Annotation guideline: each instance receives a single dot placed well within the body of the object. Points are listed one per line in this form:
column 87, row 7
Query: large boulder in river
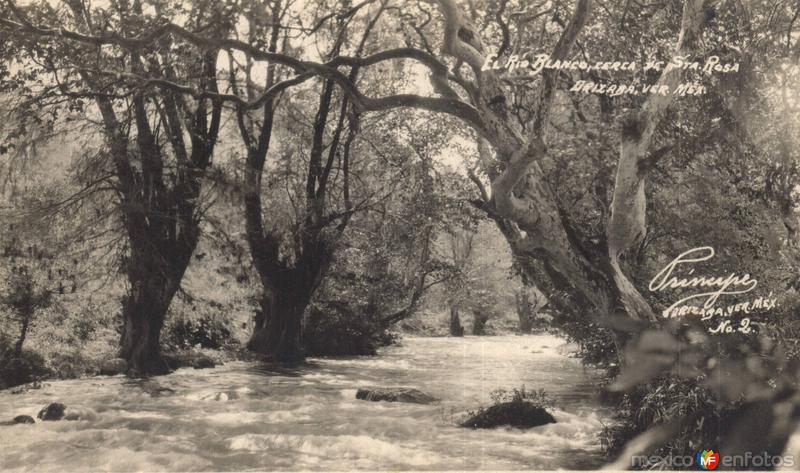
column 395, row 395
column 114, row 367
column 520, row 414
column 52, row 411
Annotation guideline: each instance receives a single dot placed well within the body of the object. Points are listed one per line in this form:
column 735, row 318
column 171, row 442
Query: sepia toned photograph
column 399, row 235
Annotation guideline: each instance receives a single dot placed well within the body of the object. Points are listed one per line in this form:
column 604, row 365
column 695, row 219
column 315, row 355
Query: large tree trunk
column 278, row 330
column 143, row 313
column 456, row 330
column 155, row 269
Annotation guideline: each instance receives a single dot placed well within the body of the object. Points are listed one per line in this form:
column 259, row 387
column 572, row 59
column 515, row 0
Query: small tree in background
column 23, row 296
column 485, row 305
column 529, row 303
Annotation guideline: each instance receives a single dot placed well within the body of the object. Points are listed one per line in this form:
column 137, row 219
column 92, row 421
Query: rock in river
column 19, row 420
column 24, row 420
column 395, row 395
column 58, row 411
column 52, row 411
column 523, row 415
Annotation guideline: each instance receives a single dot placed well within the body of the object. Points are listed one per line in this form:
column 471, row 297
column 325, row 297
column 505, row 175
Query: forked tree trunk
column 286, row 290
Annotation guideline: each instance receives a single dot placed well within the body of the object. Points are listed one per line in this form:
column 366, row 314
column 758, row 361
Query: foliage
column 333, row 330
column 16, row 369
column 480, row 281
column 538, row 398
column 681, row 387
column 201, row 332
column 663, row 400
column 23, row 297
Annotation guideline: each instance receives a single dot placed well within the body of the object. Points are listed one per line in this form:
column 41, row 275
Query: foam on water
column 319, row 449
column 245, row 416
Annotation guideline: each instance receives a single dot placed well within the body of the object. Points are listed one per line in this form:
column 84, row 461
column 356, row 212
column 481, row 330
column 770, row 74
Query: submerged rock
column 79, row 413
column 202, row 362
column 153, row 388
column 522, row 415
column 114, row 367
column 226, row 396
column 188, row 359
column 395, row 395
column 52, row 411
column 19, row 420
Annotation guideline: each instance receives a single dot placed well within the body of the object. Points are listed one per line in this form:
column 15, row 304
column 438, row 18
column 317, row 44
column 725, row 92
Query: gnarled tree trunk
column 540, row 233
column 155, row 267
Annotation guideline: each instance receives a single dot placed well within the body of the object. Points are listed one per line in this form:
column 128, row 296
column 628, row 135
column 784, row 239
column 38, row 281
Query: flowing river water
column 248, row 416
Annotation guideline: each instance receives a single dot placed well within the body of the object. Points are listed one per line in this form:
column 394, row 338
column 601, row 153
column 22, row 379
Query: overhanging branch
column 449, row 104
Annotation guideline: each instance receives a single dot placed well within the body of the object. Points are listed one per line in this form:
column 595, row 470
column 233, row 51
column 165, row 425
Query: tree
column 24, row 297
column 589, row 271
column 461, row 249
column 529, row 303
column 157, row 173
column 292, row 263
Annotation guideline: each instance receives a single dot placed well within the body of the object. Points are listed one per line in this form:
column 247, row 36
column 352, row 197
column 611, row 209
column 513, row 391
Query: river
column 246, row 416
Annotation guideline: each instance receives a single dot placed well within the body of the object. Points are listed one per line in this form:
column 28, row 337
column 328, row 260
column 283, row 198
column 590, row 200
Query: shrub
column 23, row 295
column 28, row 367
column 70, row 364
column 331, row 331
column 205, row 331
column 538, row 398
column 660, row 401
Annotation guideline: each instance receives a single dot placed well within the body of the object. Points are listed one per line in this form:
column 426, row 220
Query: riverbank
column 60, row 357
column 32, row 369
